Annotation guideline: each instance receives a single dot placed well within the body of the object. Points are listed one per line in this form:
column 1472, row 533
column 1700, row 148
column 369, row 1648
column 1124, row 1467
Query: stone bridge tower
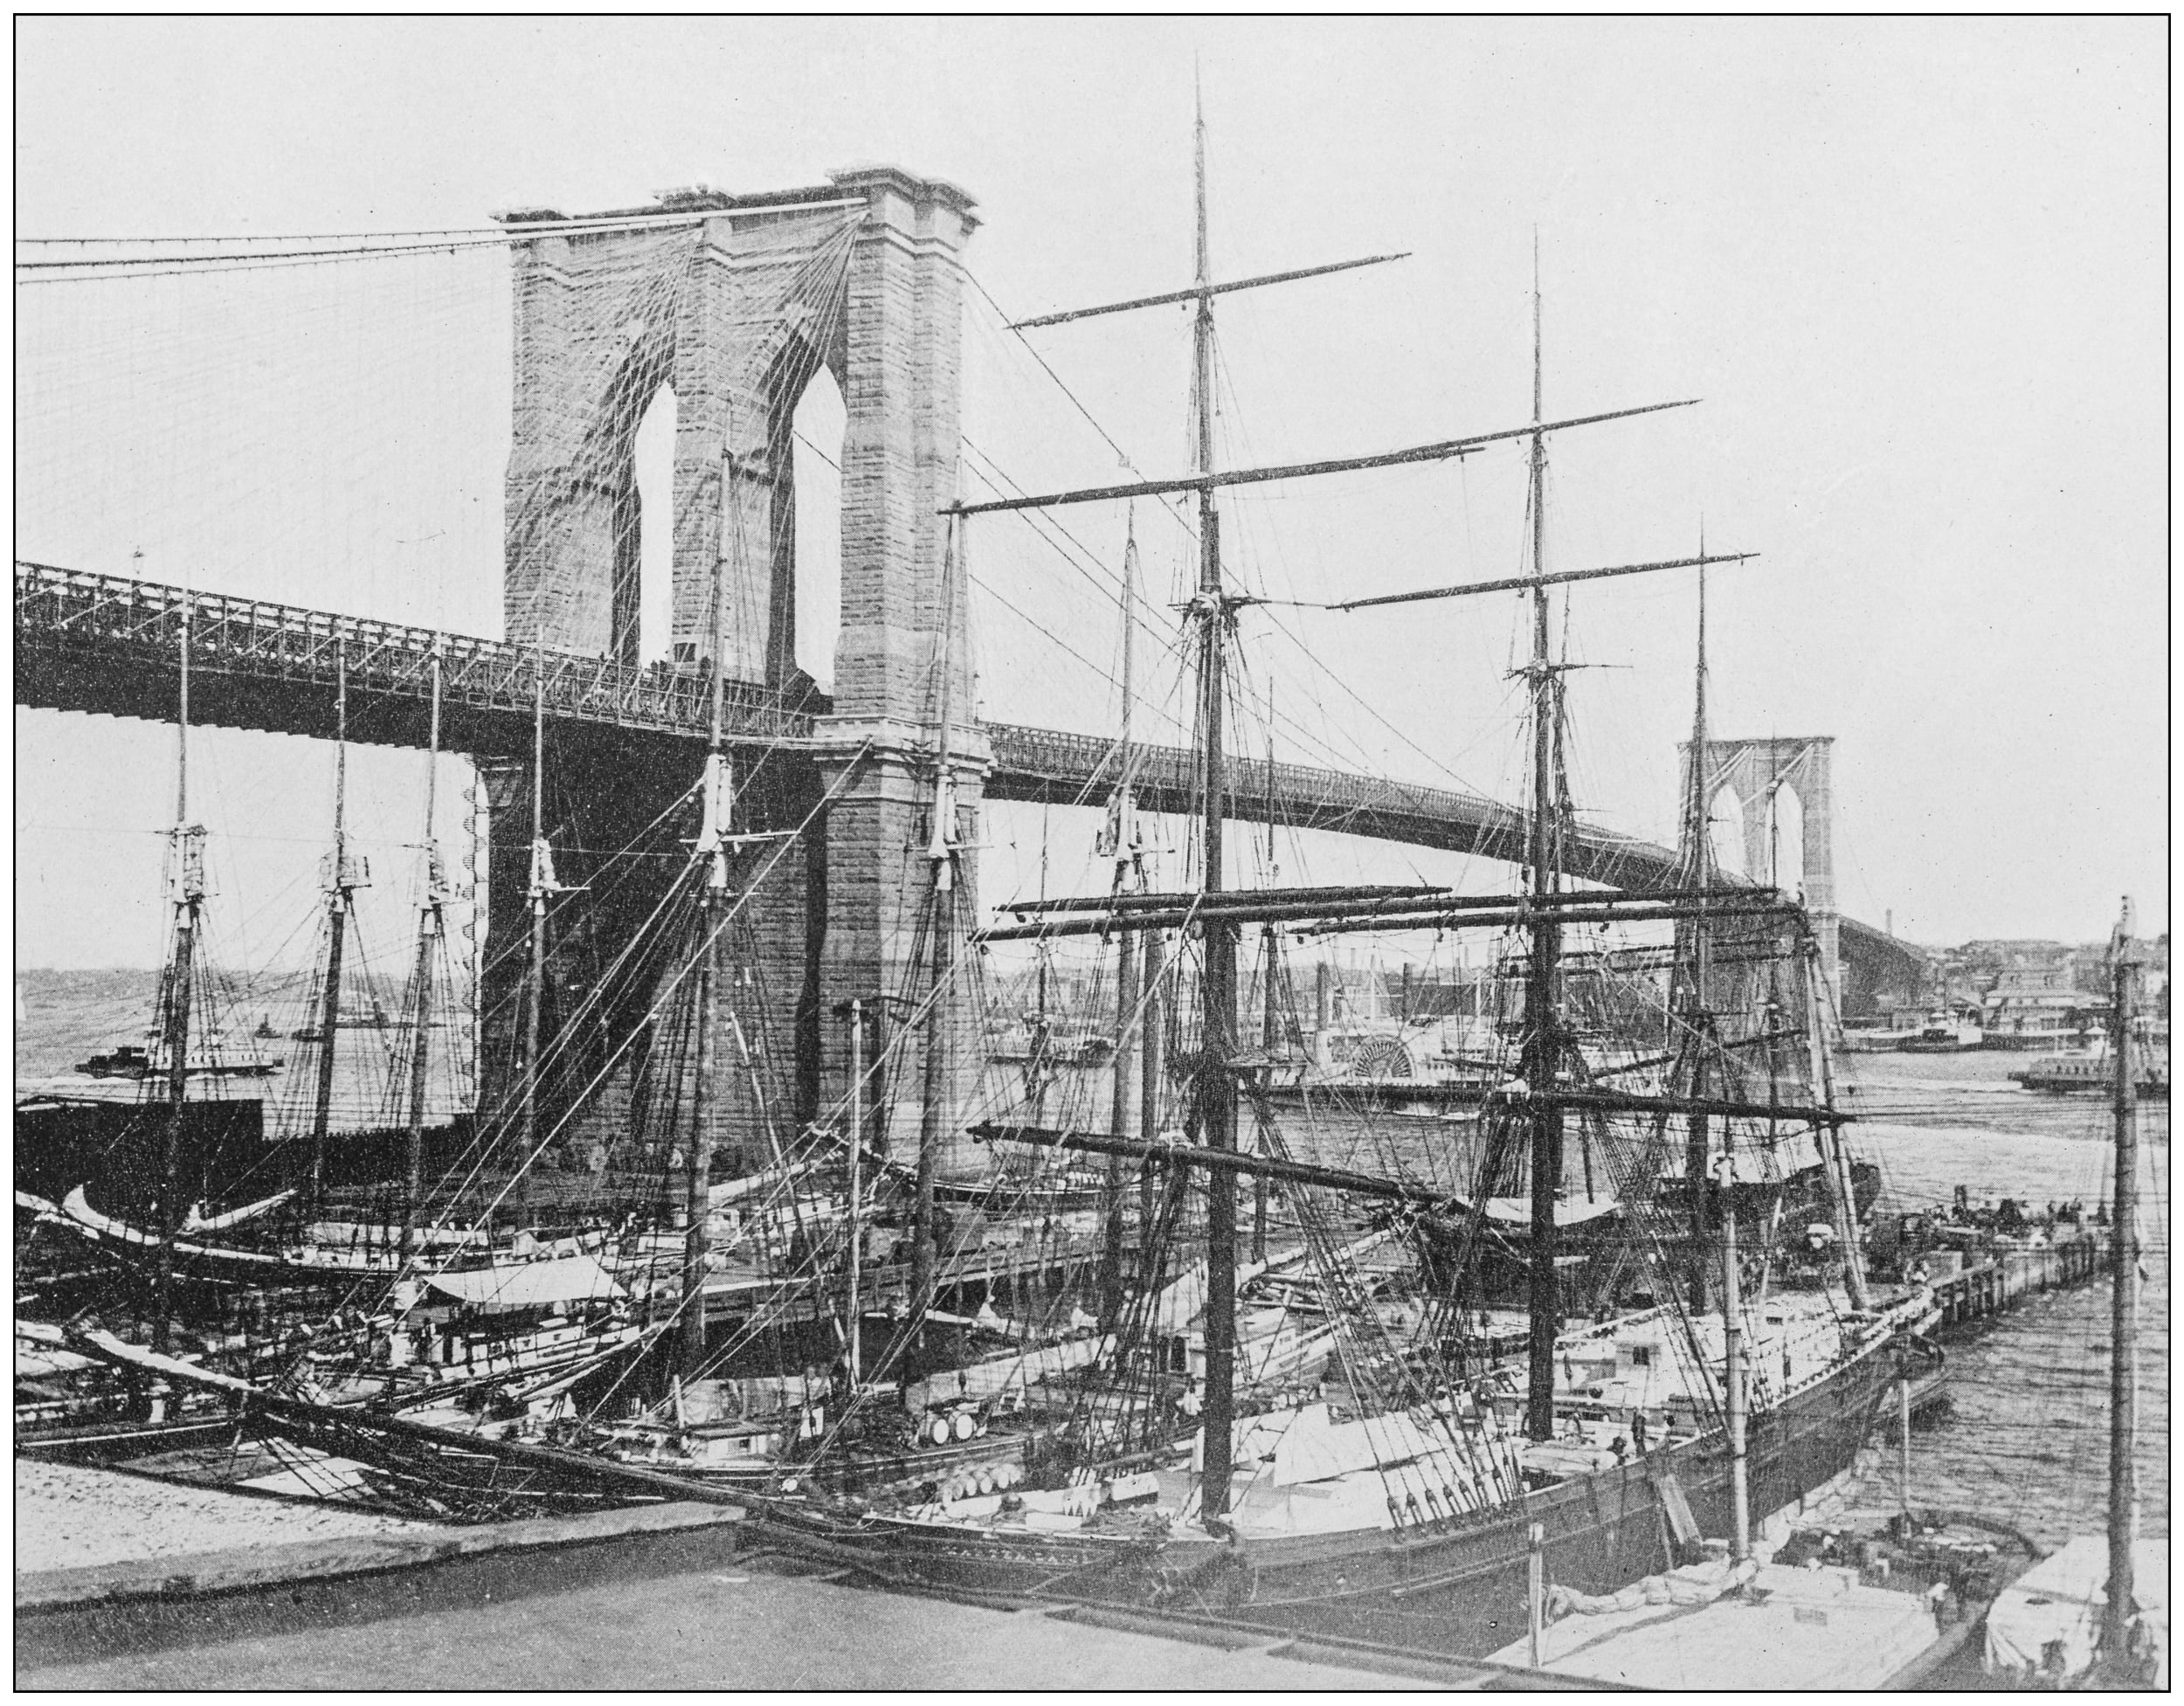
column 1754, row 773
column 735, row 306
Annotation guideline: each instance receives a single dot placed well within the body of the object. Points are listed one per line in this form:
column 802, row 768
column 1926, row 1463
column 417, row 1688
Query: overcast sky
column 1915, row 270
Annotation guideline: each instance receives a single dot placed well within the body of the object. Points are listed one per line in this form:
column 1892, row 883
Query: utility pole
column 2123, row 1423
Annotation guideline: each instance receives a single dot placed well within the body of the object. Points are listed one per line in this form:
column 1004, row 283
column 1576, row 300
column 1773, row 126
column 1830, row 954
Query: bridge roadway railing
column 116, row 621
column 106, row 643
column 1062, row 768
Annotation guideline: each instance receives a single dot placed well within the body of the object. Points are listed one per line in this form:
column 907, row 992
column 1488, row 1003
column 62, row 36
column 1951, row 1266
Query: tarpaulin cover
column 1690, row 1585
column 1517, row 1211
column 528, row 1285
column 2064, row 1598
column 1316, row 1448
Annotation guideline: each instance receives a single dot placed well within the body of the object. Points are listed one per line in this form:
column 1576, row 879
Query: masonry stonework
column 1752, row 772
column 736, row 313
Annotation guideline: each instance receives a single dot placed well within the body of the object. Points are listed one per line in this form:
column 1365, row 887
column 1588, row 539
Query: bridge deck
column 103, row 643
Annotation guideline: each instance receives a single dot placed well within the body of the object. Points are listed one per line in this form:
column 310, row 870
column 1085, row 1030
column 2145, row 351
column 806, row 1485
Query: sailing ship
column 784, row 1244
column 1313, row 1448
column 181, row 1026
column 1406, row 1498
column 422, row 1308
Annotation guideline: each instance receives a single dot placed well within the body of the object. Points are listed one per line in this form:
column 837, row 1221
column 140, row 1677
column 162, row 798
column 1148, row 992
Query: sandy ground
column 740, row 1629
column 66, row 1517
column 746, row 1628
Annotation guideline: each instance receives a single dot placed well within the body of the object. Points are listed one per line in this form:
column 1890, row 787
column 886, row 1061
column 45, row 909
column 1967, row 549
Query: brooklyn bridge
column 110, row 646
column 735, row 303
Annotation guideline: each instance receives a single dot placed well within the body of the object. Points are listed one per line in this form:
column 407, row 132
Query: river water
column 2027, row 1440
column 2026, row 1443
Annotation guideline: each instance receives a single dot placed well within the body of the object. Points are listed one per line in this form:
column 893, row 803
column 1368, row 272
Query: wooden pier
column 2000, row 1282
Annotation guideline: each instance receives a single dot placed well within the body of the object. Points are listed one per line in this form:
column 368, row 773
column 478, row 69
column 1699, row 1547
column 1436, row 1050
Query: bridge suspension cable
column 361, row 246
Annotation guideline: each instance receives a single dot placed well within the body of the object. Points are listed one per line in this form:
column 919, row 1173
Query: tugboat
column 127, row 1062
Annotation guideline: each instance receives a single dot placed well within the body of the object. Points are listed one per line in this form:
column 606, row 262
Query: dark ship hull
column 1459, row 1586
column 2095, row 1077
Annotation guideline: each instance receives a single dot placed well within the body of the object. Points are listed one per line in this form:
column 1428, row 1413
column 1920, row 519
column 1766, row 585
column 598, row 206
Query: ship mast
column 1699, row 863
column 541, row 886
column 2123, row 1423
column 1698, row 859
column 1035, row 1061
column 1214, row 1112
column 715, row 837
column 431, row 928
column 1270, row 1025
column 942, row 854
column 341, row 886
column 1122, row 846
column 1541, row 1059
column 1734, row 1396
column 854, row 1325
column 1216, row 1087
column 188, row 841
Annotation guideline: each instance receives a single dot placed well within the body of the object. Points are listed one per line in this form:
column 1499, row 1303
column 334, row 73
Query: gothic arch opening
column 1725, row 831
column 653, row 458
column 819, row 424
column 1785, row 830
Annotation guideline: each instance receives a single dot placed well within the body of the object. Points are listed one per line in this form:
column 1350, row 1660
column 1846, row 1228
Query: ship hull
column 2102, row 1082
column 1458, row 1587
column 845, row 1472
